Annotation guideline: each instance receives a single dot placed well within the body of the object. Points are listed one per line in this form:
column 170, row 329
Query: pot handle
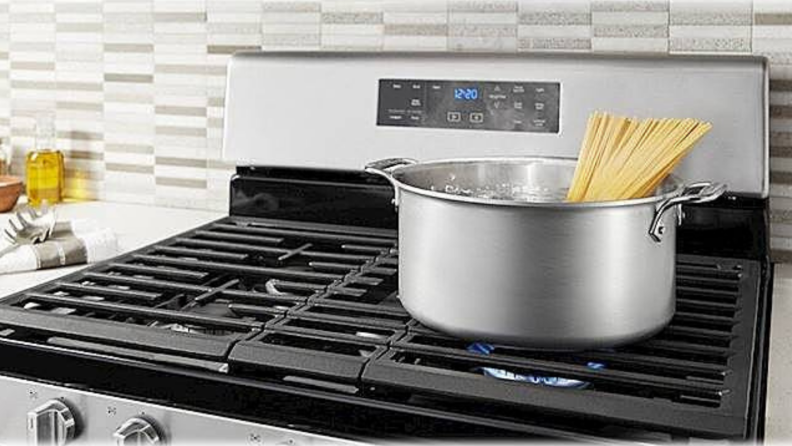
column 385, row 167
column 693, row 193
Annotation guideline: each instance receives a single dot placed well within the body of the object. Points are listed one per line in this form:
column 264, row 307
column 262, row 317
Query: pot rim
column 673, row 182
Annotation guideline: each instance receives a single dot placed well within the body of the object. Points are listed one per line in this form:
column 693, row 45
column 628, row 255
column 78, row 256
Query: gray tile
column 129, row 78
column 292, row 6
column 180, row 162
column 773, row 19
column 554, row 18
column 180, row 110
column 179, row 17
column 84, row 155
column 229, row 49
column 474, row 30
column 33, row 66
column 554, row 43
column 142, row 149
column 129, row 47
column 482, row 6
column 351, row 18
column 629, row 5
column 416, row 29
column 129, row 168
column 79, row 27
column 712, row 18
column 699, row 44
column 169, row 130
column 81, row 106
column 624, row 30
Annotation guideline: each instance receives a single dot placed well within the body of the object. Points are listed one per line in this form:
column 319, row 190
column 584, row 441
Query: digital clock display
column 466, row 94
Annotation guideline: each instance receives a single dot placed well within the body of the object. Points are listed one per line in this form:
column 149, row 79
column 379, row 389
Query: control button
column 539, row 90
column 138, row 431
column 496, row 104
column 436, row 87
column 416, row 86
column 396, row 86
column 539, row 123
column 454, row 117
column 518, row 105
column 415, row 118
column 518, row 89
column 415, row 102
column 51, row 424
column 497, row 88
column 539, row 106
column 395, row 117
column 477, row 118
column 497, row 96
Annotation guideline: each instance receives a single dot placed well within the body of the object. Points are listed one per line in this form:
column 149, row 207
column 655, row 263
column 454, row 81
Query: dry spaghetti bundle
column 623, row 158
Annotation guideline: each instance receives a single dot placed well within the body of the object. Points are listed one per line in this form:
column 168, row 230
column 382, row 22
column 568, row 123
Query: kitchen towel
column 71, row 243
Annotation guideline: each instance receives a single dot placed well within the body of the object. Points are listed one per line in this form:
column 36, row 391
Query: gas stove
column 281, row 322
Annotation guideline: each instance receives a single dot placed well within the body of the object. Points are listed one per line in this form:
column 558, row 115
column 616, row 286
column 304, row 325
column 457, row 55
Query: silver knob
column 138, row 431
column 51, row 424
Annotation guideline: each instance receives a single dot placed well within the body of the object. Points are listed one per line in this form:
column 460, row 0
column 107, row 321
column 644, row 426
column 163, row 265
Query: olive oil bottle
column 44, row 168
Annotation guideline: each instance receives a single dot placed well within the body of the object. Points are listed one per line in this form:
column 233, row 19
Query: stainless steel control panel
column 325, row 110
column 38, row 414
column 468, row 104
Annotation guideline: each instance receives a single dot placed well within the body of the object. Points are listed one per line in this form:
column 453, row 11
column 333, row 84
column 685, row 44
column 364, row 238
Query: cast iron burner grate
column 316, row 305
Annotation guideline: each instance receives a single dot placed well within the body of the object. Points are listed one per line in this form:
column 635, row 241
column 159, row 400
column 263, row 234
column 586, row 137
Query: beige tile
column 181, row 182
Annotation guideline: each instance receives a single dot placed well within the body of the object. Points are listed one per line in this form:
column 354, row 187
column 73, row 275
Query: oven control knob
column 138, row 431
column 51, row 424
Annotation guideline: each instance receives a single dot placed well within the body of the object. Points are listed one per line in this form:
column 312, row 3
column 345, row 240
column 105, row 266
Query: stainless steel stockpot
column 546, row 275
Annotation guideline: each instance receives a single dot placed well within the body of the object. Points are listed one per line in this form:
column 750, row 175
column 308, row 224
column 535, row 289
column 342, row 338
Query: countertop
column 138, row 225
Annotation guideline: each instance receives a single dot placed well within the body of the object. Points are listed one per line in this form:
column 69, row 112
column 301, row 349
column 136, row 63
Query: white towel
column 71, row 243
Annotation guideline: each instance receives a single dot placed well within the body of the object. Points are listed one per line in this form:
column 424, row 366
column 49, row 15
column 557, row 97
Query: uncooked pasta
column 623, row 158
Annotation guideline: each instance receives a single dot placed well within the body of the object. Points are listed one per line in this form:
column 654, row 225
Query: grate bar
column 553, row 368
column 250, row 296
column 693, row 270
column 285, row 351
column 171, row 273
column 145, row 283
column 237, row 269
column 148, row 313
column 253, row 310
column 362, row 248
column 699, row 332
column 102, row 291
column 239, row 237
column 215, row 366
column 713, row 283
column 686, row 347
column 705, row 293
column 200, row 253
column 484, row 391
column 701, row 317
column 357, row 332
column 337, row 256
column 306, row 234
column 136, row 336
column 227, row 246
column 412, row 342
column 691, row 303
column 378, row 316
column 332, row 266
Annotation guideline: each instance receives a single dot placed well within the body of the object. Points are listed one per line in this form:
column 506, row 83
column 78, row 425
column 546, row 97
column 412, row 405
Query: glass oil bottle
column 44, row 169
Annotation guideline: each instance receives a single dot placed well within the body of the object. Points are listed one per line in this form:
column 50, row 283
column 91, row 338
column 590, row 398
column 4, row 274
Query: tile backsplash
column 137, row 85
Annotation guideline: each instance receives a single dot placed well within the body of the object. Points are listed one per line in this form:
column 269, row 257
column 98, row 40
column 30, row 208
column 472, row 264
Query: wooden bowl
column 10, row 190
